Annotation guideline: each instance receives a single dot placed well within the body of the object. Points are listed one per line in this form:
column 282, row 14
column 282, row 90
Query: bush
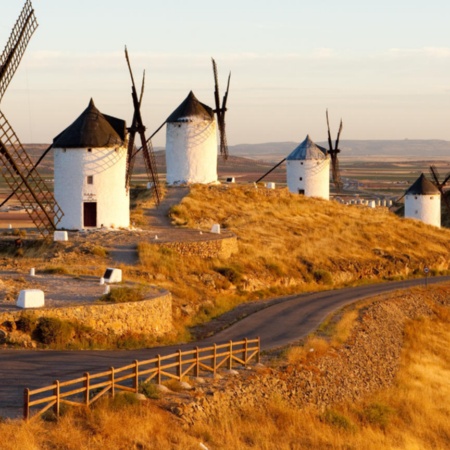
column 323, row 276
column 123, row 295
column 377, row 414
column 26, row 323
column 57, row 270
column 338, row 420
column 149, row 390
column 53, row 331
column 232, row 273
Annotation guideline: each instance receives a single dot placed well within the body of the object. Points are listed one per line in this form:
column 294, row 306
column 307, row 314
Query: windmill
column 137, row 126
column 17, row 167
column 440, row 185
column 333, row 152
column 221, row 110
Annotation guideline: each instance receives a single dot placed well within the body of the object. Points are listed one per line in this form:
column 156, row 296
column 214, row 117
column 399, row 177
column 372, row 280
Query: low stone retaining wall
column 217, row 248
column 149, row 316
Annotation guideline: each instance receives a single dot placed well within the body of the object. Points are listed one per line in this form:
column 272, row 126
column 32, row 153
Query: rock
column 162, row 389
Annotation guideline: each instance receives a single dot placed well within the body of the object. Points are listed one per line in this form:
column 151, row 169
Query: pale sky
column 383, row 66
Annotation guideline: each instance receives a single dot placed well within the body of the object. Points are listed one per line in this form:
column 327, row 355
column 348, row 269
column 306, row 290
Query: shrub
column 123, row 294
column 149, row 390
column 56, row 270
column 337, row 420
column 377, row 414
column 98, row 250
column 323, row 276
column 26, row 323
column 53, row 331
column 232, row 273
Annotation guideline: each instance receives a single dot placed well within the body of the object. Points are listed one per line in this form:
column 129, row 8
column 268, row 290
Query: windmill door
column 90, row 214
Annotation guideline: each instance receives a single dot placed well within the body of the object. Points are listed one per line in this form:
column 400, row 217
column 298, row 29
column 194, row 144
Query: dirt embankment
column 368, row 361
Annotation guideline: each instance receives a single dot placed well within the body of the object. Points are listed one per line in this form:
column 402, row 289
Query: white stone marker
column 113, row 275
column 215, row 228
column 31, row 298
column 32, row 272
column 60, row 236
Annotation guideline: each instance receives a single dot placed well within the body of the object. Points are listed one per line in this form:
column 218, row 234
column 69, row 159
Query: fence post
column 56, row 406
column 26, row 404
column 136, row 376
column 197, row 363
column 158, row 365
column 245, row 351
column 258, row 354
column 87, row 386
column 214, row 359
column 113, row 390
column 180, row 365
column 230, row 360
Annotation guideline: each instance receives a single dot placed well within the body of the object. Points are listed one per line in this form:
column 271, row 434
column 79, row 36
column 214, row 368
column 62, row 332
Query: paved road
column 285, row 320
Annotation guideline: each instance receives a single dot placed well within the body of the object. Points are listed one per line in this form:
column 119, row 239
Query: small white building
column 423, row 202
column 191, row 143
column 90, row 163
column 308, row 170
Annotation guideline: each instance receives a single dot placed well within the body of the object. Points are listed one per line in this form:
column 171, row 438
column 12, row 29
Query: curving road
column 283, row 321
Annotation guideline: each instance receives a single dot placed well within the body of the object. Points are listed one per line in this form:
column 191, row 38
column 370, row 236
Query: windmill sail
column 17, row 168
column 137, row 127
column 220, row 111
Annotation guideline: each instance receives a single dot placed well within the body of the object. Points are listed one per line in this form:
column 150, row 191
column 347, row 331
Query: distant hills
column 351, row 148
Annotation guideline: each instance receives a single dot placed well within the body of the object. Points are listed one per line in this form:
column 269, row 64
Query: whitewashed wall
column 310, row 175
column 191, row 152
column 426, row 208
column 108, row 167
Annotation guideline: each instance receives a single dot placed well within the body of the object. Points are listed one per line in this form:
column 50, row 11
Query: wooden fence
column 89, row 388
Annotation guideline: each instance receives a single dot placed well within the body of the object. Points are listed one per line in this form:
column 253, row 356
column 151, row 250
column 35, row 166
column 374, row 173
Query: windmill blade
column 336, row 172
column 29, row 173
column 330, row 144
column 138, row 127
column 435, row 174
column 10, row 59
column 446, row 179
column 223, row 138
column 216, row 89
column 336, row 146
column 225, row 97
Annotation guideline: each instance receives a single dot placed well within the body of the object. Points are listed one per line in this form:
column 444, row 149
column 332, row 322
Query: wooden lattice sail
column 17, row 167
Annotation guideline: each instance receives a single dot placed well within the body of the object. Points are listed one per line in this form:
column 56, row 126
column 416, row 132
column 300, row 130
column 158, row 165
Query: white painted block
column 270, row 185
column 60, row 236
column 230, row 180
column 30, row 298
column 113, row 275
column 32, row 272
column 215, row 228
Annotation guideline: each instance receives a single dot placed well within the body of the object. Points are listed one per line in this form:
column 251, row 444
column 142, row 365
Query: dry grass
column 289, row 243
column 413, row 414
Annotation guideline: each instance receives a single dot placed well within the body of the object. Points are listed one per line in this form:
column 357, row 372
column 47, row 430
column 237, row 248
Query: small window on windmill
column 90, row 179
column 416, row 212
column 301, row 178
column 89, row 150
column 301, row 164
column 301, row 191
column 431, row 198
column 415, row 198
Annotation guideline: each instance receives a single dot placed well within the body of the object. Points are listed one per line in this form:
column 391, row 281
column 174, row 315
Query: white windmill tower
column 191, row 139
column 90, row 166
column 423, row 202
column 308, row 167
column 308, row 170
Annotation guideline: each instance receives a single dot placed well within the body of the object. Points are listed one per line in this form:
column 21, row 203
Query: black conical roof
column 422, row 186
column 191, row 108
column 92, row 129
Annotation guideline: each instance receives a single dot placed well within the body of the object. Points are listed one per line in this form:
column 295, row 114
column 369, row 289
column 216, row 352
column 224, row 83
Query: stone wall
column 214, row 248
column 150, row 316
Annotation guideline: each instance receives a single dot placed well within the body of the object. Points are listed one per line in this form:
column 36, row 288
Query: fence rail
column 85, row 390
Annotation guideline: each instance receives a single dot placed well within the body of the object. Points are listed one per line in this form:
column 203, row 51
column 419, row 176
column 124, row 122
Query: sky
column 382, row 66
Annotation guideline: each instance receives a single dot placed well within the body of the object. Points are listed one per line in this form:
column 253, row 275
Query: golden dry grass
column 289, row 243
